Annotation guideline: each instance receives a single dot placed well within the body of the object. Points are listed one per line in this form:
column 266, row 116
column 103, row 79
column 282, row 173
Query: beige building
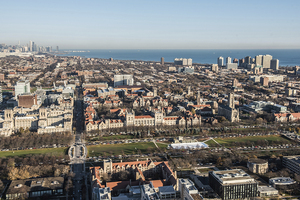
column 229, row 111
column 258, row 166
column 156, row 119
column 54, row 118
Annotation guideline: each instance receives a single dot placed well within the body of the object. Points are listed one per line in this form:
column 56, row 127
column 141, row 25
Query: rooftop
column 234, row 176
column 37, row 184
column 293, row 158
column 257, row 161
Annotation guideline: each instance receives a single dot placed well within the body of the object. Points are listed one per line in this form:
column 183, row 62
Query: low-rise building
column 258, row 166
column 267, row 191
column 292, row 163
column 33, row 188
column 278, row 182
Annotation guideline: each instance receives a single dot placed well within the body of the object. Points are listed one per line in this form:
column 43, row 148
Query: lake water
column 287, row 57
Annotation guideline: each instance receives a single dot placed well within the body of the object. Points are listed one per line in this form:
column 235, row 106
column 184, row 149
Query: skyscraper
column 228, row 60
column 275, row 64
column 57, row 48
column 30, row 46
column 162, row 61
column 220, row 61
column 266, row 61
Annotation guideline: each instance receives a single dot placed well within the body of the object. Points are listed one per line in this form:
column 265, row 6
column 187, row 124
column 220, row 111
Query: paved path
column 78, row 153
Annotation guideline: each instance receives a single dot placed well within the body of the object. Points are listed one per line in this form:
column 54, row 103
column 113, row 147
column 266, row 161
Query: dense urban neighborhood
column 73, row 127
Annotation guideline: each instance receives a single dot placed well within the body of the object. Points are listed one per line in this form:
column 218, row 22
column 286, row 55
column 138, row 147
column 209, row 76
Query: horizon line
column 186, row 49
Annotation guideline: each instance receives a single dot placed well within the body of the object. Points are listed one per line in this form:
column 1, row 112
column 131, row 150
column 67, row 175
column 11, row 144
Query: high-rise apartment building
column 248, row 59
column 266, row 61
column 228, row 60
column 241, row 62
column 22, row 87
column 183, row 61
column 220, row 61
column 258, row 59
column 123, row 79
column 275, row 64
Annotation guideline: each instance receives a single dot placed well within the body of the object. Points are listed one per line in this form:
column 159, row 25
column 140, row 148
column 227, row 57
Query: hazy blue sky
column 152, row 24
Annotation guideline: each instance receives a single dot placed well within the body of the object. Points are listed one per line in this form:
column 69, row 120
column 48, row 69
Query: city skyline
column 153, row 25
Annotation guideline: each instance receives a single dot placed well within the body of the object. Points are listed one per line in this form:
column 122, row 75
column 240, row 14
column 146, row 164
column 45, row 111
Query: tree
column 193, row 111
column 259, row 120
column 12, row 173
column 219, row 162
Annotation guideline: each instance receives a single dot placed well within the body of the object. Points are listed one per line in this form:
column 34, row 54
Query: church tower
column 8, row 114
column 129, row 118
column 198, row 98
column 231, row 100
column 154, row 92
column 42, row 117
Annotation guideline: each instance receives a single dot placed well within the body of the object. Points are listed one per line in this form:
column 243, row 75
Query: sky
column 152, row 24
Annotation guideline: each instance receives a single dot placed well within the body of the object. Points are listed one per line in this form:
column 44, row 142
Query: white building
column 266, row 61
column 231, row 66
column 275, row 64
column 188, row 190
column 220, row 61
column 228, row 60
column 272, row 78
column 22, row 87
column 123, row 79
column 258, row 60
column 183, row 61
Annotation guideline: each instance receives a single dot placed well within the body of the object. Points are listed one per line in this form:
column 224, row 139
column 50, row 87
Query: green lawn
column 116, row 149
column 230, row 142
column 21, row 153
column 212, row 143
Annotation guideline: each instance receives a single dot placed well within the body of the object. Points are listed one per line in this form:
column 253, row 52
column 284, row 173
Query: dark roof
column 36, row 184
column 257, row 161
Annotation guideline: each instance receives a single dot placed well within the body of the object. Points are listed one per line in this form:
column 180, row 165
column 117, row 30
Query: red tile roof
column 143, row 116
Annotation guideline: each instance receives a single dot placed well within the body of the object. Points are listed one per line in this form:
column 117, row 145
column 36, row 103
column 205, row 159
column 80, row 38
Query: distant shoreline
column 287, row 57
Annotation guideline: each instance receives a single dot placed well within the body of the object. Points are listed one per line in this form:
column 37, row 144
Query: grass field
column 21, row 153
column 211, row 143
column 230, row 142
column 116, row 149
